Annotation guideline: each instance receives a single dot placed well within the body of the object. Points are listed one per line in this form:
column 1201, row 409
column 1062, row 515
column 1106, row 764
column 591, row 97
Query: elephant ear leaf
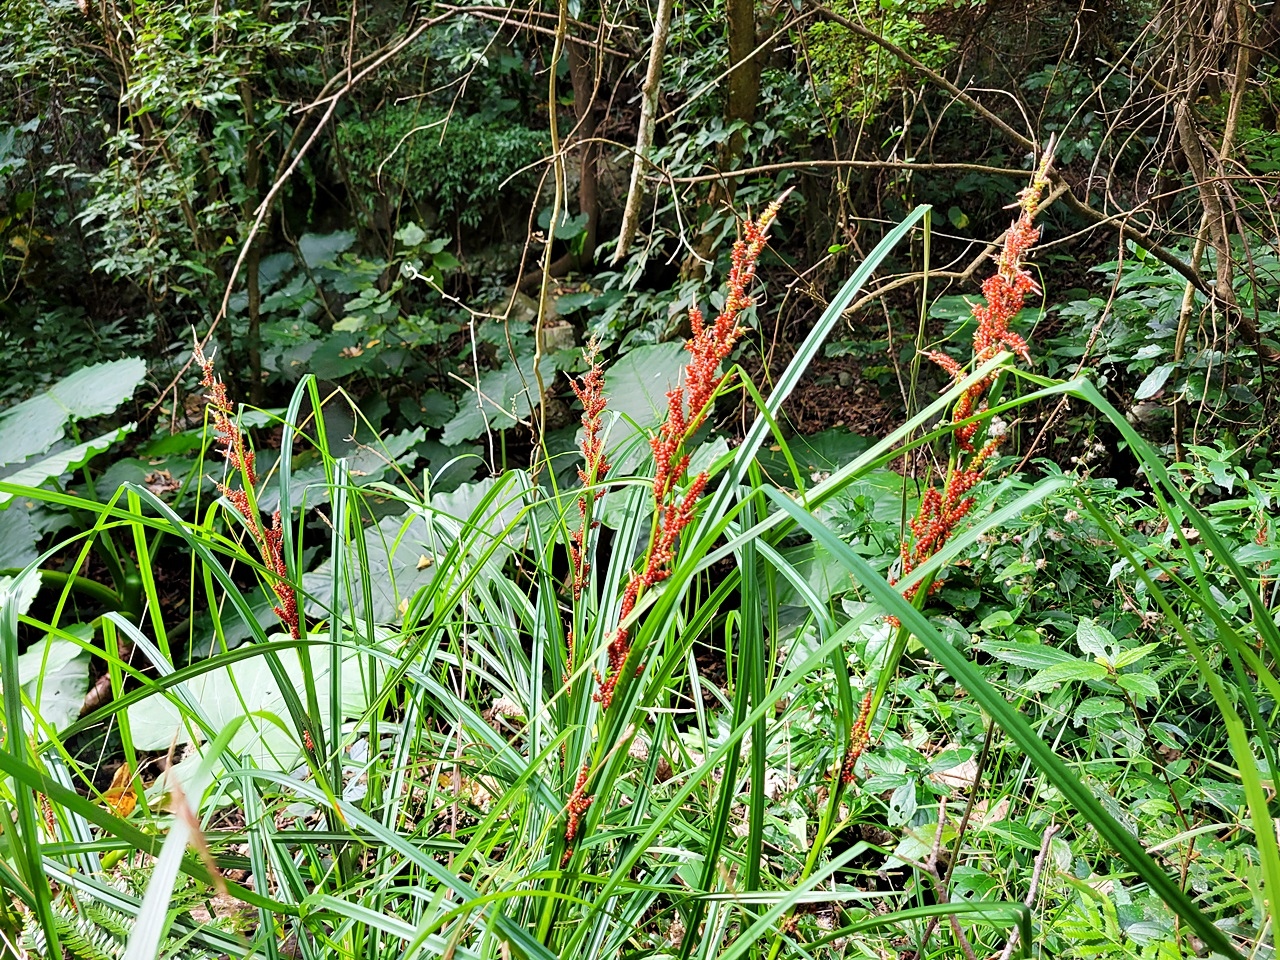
column 36, row 424
column 41, row 471
column 503, row 398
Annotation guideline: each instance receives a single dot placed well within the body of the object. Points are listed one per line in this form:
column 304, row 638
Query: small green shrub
column 452, row 168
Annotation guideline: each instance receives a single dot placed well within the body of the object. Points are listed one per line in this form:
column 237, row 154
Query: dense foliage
column 691, row 479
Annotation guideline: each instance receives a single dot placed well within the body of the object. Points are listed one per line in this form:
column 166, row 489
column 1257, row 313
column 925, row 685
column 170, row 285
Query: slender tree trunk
column 582, row 73
column 644, row 137
column 252, row 260
column 743, row 93
column 744, row 76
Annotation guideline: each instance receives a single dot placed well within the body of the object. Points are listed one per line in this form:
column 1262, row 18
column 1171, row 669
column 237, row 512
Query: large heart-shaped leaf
column 502, row 398
column 36, row 424
column 49, row 468
column 399, row 562
column 636, row 387
column 54, row 674
column 247, row 688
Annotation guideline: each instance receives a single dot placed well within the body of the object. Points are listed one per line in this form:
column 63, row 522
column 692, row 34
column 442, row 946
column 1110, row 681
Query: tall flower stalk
column 590, row 391
column 236, row 451
column 942, row 509
column 688, row 405
column 1005, row 292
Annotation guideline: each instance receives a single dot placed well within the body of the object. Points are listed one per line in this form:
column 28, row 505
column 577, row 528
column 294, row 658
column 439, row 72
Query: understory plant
column 520, row 719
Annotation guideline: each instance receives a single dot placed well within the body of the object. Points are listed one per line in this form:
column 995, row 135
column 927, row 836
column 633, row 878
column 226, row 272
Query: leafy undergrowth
column 704, row 701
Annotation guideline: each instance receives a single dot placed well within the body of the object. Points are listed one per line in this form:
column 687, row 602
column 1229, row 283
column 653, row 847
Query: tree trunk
column 582, row 73
column 744, row 76
column 644, row 136
column 740, row 106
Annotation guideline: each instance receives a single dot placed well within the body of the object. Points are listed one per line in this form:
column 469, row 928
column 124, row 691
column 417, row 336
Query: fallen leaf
column 960, row 776
column 161, row 482
column 120, row 797
column 98, row 694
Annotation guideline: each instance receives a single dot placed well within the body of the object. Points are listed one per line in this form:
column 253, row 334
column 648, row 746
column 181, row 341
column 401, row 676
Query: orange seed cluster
column 687, row 408
column 1005, row 292
column 591, row 395
column 579, row 803
column 235, row 449
column 859, row 738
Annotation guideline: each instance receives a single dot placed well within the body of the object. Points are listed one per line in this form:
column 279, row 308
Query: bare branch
column 1036, row 871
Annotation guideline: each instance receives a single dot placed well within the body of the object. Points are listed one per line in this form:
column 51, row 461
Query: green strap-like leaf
column 1016, row 726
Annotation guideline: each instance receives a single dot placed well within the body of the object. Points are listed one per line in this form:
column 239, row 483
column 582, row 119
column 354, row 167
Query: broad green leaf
column 483, row 510
column 431, row 409
column 352, row 324
column 403, row 551
column 411, row 235
column 1142, row 685
column 994, row 621
column 55, row 676
column 902, row 804
column 97, row 390
column 637, row 384
column 1222, row 474
column 42, row 471
column 18, row 538
column 636, row 387
column 1153, row 382
column 1037, row 656
column 20, row 591
column 320, row 249
column 1076, row 670
column 36, row 424
column 1096, row 641
column 505, row 397
column 1096, row 707
column 247, row 688
column 1133, row 655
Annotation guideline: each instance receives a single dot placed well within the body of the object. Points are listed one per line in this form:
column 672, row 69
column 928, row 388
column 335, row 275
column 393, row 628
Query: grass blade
column 1015, row 726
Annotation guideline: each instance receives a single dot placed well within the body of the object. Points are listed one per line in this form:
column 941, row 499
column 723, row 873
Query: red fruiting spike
column 618, row 651
column 688, row 406
column 858, row 739
column 235, row 449
column 947, row 363
column 590, row 392
column 578, row 804
column 1005, row 292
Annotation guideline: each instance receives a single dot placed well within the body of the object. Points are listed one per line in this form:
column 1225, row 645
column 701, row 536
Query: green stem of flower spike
column 832, row 811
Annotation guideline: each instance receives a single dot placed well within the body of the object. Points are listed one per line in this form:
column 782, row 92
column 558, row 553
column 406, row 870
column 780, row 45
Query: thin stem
column 90, row 588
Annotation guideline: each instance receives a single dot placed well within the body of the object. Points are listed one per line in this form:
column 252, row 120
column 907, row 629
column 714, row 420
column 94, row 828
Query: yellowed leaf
column 120, row 796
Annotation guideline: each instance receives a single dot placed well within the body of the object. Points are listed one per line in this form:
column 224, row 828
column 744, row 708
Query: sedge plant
column 483, row 726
